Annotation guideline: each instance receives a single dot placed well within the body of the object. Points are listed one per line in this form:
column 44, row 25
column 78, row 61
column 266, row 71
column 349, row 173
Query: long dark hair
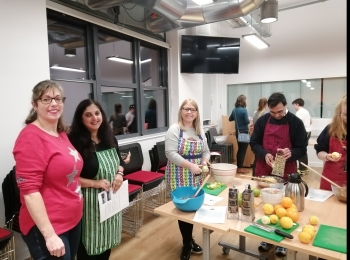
column 80, row 136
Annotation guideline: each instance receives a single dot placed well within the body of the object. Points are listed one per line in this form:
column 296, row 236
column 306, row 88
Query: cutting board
column 270, row 235
column 213, row 192
column 332, row 238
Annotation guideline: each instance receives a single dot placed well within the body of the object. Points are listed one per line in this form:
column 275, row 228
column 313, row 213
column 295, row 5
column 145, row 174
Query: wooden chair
column 132, row 216
column 153, row 183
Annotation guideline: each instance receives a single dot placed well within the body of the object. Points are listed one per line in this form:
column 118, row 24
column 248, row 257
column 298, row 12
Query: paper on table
column 318, row 195
column 210, row 199
column 211, row 214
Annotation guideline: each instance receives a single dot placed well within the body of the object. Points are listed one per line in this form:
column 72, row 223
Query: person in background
column 118, row 120
column 332, row 139
column 277, row 131
column 151, row 114
column 92, row 136
column 186, row 148
column 260, row 111
column 240, row 115
column 47, row 171
column 304, row 115
column 131, row 120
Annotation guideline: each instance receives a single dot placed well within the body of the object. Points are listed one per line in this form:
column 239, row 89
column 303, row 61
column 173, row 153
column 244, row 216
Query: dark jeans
column 304, row 159
column 186, row 232
column 37, row 245
column 83, row 255
column 242, row 149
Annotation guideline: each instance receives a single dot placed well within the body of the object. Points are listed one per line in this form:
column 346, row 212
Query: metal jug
column 297, row 190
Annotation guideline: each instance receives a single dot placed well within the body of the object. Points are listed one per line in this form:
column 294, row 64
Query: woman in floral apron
column 186, row 148
column 334, row 139
column 92, row 136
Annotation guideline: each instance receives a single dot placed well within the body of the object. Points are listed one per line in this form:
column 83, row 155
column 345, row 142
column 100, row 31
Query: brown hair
column 337, row 127
column 196, row 122
column 241, row 101
column 37, row 92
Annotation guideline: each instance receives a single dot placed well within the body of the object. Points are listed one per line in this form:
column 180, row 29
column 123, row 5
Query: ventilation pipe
column 179, row 14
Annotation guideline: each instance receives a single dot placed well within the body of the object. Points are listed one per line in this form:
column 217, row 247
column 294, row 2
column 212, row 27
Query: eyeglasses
column 187, row 109
column 48, row 100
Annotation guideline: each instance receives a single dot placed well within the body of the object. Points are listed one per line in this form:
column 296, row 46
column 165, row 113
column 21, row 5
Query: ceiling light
column 148, row 60
column 202, row 2
column 115, row 58
column 256, row 40
column 303, row 80
column 57, row 67
column 312, row 88
column 269, row 11
column 70, row 52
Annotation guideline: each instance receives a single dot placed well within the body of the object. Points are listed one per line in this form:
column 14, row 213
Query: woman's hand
column 117, row 182
column 55, row 245
column 103, row 184
column 195, row 169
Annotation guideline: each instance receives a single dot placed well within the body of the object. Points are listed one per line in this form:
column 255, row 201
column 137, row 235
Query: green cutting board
column 270, row 235
column 213, row 192
column 332, row 238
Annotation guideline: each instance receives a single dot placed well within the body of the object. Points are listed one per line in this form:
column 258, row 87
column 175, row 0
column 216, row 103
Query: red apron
column 275, row 136
column 334, row 170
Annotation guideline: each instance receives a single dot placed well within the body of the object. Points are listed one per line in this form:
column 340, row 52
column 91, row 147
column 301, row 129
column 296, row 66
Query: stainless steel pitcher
column 297, row 190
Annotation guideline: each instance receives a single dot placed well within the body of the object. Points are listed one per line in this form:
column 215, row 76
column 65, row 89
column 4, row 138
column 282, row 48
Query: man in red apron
column 279, row 131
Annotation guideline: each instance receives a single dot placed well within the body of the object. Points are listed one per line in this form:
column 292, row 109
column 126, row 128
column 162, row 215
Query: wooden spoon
column 204, row 182
column 322, row 176
column 255, row 178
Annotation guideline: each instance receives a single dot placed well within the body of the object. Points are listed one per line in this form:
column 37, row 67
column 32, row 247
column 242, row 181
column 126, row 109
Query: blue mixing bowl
column 182, row 198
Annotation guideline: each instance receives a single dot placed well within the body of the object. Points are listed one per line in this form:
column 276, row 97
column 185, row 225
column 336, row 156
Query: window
column 111, row 68
column 320, row 95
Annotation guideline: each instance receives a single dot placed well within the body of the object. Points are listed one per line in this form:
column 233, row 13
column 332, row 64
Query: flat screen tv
column 206, row 54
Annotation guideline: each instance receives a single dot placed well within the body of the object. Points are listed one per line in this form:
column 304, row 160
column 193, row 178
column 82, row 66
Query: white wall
column 306, row 42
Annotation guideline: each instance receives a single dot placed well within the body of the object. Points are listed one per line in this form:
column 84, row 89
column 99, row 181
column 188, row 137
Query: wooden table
column 331, row 212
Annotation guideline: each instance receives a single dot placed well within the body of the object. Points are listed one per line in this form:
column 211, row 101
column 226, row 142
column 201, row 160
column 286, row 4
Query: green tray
column 332, row 238
column 270, row 235
column 213, row 192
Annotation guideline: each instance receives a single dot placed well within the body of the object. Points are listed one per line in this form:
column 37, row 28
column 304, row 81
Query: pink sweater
column 49, row 165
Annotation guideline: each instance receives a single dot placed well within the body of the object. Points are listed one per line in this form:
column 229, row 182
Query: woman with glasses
column 103, row 169
column 186, row 149
column 331, row 147
column 47, row 172
column 240, row 116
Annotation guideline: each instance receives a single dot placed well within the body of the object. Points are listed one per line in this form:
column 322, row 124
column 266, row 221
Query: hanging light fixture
column 269, row 11
column 256, row 40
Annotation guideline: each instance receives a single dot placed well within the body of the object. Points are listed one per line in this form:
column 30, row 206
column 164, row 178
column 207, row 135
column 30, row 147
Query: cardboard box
column 229, row 127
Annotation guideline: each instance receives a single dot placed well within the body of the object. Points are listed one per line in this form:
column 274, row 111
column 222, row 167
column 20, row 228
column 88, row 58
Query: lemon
column 268, row 208
column 335, row 155
column 304, row 237
column 286, row 222
column 273, row 219
column 310, row 226
column 277, row 206
column 313, row 220
column 310, row 231
column 281, row 212
column 265, row 220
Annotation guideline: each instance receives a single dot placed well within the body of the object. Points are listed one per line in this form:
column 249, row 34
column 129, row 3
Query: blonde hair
column 196, row 123
column 261, row 105
column 38, row 91
column 338, row 128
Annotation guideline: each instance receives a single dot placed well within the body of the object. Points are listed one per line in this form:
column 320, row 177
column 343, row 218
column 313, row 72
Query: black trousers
column 186, row 232
column 242, row 149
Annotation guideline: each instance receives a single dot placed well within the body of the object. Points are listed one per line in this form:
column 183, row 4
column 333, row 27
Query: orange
column 304, row 237
column 277, row 206
column 286, row 202
column 293, row 214
column 268, row 209
column 293, row 207
column 281, row 212
column 286, row 222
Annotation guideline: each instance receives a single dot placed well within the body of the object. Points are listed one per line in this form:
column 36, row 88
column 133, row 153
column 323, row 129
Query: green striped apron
column 98, row 237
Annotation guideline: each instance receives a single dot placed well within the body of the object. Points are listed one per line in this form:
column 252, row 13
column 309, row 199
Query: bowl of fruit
column 271, row 182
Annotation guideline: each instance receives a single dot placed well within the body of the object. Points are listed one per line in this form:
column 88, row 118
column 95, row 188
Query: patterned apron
column 177, row 176
column 98, row 237
column 334, row 171
column 275, row 136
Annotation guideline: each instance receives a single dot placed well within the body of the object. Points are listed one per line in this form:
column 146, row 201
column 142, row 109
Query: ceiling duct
column 179, row 14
